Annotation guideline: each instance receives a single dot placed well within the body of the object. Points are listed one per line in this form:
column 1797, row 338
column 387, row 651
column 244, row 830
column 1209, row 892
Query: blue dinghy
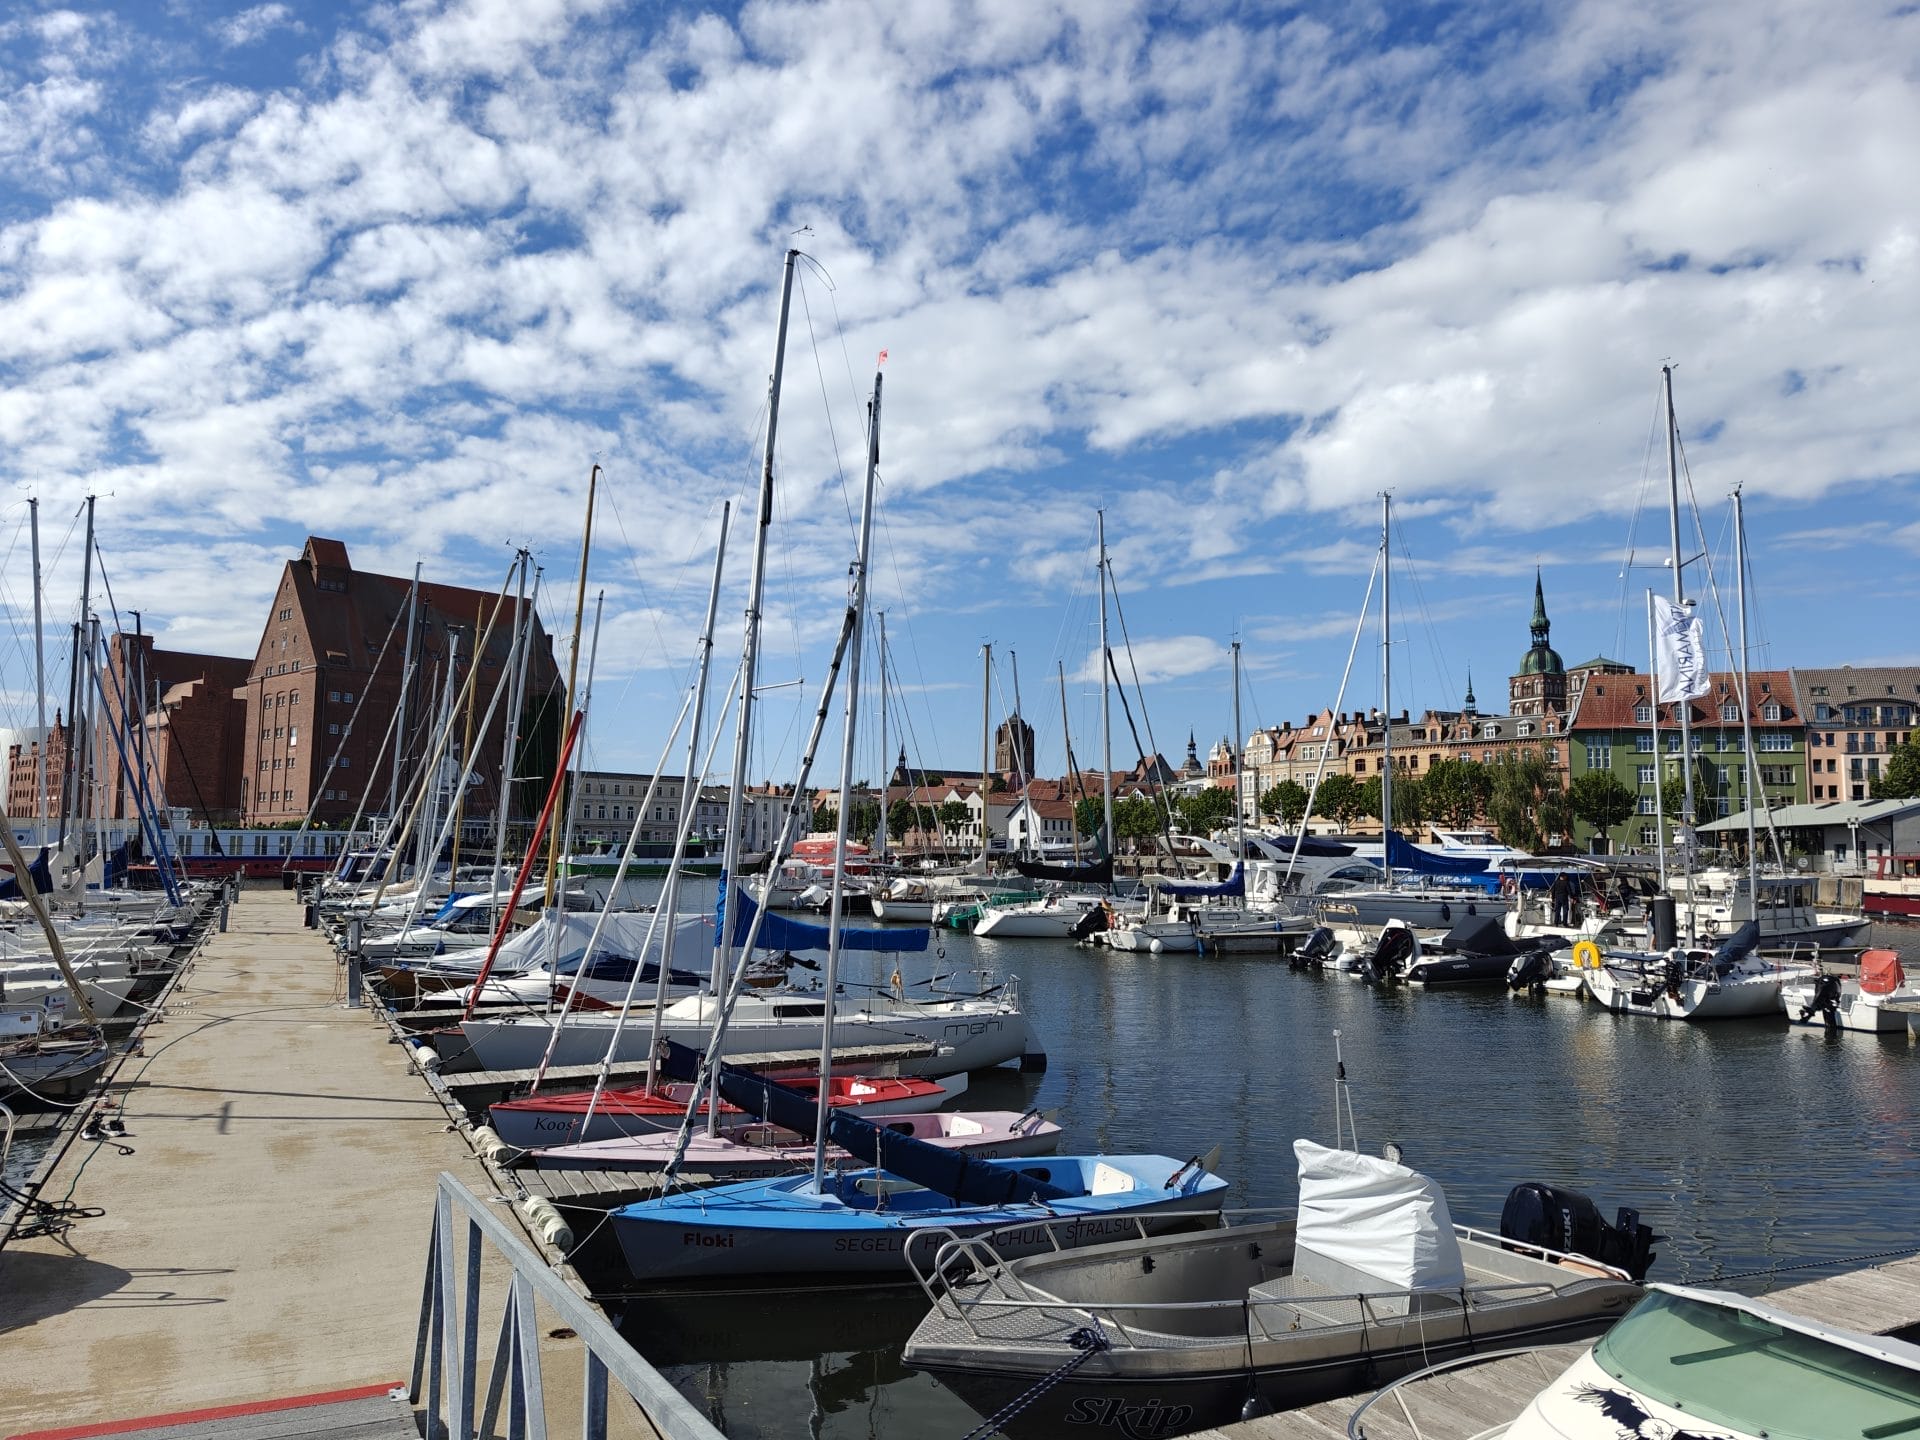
column 857, row 1223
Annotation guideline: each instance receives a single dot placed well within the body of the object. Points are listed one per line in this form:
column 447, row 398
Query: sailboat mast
column 1071, row 779
column 1386, row 678
column 1018, row 755
column 1239, row 799
column 986, row 740
column 71, row 801
column 1106, row 704
column 573, row 662
column 406, row 684
column 1679, row 598
column 1754, row 797
column 39, row 680
column 516, row 700
column 886, row 760
column 750, row 643
column 1659, row 786
column 856, row 605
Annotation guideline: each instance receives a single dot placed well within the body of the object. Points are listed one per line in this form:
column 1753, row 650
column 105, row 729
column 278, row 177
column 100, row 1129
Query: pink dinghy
column 751, row 1151
column 538, row 1121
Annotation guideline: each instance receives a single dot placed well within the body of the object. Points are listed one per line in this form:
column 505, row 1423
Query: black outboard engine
column 1091, row 923
column 1395, row 949
column 1315, row 950
column 1530, row 970
column 1566, row 1220
column 1825, row 1002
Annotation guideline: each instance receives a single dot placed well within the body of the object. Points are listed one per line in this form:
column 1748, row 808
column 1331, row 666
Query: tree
column 954, row 815
column 1529, row 807
column 1285, row 803
column 1900, row 776
column 900, row 818
column 1456, row 792
column 826, row 818
column 1601, row 800
column 1206, row 810
column 865, row 821
column 1340, row 799
column 1136, row 818
column 1089, row 817
column 1409, row 807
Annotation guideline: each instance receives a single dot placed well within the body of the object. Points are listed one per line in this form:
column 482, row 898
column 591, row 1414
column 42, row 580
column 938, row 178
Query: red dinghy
column 539, row 1121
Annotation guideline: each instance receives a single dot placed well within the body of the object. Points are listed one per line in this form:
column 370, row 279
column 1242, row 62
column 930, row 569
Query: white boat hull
column 1853, row 1009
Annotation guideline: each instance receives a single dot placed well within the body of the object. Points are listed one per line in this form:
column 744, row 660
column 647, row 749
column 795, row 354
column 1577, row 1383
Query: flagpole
column 1659, row 787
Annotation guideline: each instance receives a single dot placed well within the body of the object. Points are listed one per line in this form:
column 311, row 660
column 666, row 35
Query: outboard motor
column 1316, row 949
column 1565, row 1220
column 1091, row 923
column 1825, row 1002
column 1395, row 950
column 1529, row 970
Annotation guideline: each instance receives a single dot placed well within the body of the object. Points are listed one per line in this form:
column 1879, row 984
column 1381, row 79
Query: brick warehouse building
column 316, row 663
column 23, row 803
column 194, row 728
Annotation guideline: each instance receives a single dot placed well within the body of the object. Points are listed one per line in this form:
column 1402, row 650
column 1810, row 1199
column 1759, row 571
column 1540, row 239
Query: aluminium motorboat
column 1369, row 1279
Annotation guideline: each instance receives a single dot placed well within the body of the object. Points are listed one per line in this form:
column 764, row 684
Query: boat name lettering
column 1144, row 1421
column 712, row 1242
column 865, row 1244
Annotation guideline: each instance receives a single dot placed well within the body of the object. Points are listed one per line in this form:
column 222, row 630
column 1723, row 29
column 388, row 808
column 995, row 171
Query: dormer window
column 1730, row 712
column 1770, row 712
column 1643, row 714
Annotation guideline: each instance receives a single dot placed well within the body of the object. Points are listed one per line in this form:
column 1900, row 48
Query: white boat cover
column 624, row 933
column 1376, row 1217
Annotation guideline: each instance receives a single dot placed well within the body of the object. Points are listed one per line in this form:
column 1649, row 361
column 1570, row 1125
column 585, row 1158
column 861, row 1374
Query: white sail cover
column 1376, row 1217
column 623, row 934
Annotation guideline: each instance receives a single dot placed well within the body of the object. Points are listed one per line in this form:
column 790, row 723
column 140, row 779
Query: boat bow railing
column 446, row 1354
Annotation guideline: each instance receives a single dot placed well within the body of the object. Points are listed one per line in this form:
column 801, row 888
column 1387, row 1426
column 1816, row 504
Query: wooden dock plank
column 1877, row 1299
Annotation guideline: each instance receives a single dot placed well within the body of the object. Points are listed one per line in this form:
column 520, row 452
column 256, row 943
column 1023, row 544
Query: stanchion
column 224, row 907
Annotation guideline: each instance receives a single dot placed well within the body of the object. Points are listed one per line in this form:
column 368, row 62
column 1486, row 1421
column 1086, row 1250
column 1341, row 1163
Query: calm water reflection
column 1751, row 1147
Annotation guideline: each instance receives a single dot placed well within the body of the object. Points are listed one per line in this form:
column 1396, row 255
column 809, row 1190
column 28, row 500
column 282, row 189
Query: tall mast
column 1679, row 598
column 406, row 684
column 69, row 780
column 1754, row 797
column 1239, row 799
column 517, row 654
column 1106, row 705
column 856, row 605
column 1659, row 783
column 1386, row 677
column 1066, row 735
column 750, row 641
column 986, row 740
column 39, row 681
column 1014, row 732
column 886, row 770
column 573, row 664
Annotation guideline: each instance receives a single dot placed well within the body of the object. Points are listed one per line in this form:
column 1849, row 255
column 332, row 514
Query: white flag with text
column 1679, row 652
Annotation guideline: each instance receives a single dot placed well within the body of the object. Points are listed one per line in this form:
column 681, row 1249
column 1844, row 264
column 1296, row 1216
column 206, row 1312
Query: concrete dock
column 266, row 1236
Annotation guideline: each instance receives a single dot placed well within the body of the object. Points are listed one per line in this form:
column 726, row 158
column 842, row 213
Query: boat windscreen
column 1732, row 1368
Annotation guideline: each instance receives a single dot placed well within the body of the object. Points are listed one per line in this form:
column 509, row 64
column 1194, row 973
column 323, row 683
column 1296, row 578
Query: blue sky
column 402, row 273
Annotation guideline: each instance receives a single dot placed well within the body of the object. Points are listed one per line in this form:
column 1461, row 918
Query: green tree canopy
column 1136, row 818
column 900, row 819
column 826, row 818
column 1456, row 791
column 1900, row 776
column 1340, row 799
column 1206, row 810
column 1285, row 803
column 1529, row 807
column 1089, row 817
column 1600, row 799
column 1409, row 805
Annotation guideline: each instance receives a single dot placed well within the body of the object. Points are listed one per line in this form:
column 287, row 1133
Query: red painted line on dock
column 217, row 1412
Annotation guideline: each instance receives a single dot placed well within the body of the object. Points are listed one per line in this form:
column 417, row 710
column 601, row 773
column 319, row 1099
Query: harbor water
column 1754, row 1149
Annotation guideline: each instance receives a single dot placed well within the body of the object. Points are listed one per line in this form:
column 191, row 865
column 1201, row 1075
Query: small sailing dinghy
column 757, row 1150
column 536, row 1121
column 1370, row 1279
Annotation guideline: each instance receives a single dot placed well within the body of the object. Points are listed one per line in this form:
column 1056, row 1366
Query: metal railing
column 446, row 1352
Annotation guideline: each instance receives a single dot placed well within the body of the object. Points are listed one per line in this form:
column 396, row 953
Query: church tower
column 1539, row 687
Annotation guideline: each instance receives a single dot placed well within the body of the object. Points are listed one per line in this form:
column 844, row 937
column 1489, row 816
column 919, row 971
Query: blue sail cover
column 955, row 1174
column 777, row 932
column 1466, row 871
column 1234, row 884
column 41, row 871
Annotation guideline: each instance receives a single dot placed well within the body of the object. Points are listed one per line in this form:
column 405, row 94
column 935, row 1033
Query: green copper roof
column 1542, row 659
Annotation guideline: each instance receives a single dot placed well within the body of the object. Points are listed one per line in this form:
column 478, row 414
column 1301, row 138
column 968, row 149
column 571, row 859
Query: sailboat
column 842, row 1223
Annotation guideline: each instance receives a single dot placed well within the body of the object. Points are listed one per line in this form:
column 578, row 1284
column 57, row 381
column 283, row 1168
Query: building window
column 1673, row 743
column 1770, row 711
column 1360, row 766
column 1646, row 835
column 1643, row 714
column 333, row 727
column 345, row 760
column 1730, row 713
column 1647, row 774
column 1526, row 727
column 346, row 696
column 333, row 697
column 1643, row 743
column 1553, row 754
column 286, row 615
column 1647, row 805
column 1599, row 754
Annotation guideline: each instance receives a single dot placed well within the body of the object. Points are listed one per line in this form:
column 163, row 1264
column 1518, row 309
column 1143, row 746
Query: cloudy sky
column 402, row 273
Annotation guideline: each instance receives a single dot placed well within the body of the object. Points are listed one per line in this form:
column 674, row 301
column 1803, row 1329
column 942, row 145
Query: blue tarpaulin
column 777, row 932
column 1234, row 884
column 1403, row 856
column 41, row 872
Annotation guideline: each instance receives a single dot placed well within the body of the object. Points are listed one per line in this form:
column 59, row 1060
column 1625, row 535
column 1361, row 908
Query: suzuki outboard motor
column 1566, row 1220
column 1397, row 946
column 1316, row 949
column 1091, row 923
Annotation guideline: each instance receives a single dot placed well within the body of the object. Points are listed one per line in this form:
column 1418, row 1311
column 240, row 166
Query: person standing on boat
column 1561, row 892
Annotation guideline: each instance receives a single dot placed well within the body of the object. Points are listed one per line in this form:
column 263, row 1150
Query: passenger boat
column 1369, row 1279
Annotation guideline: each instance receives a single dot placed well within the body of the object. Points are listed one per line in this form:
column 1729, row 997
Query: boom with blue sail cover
column 1234, row 884
column 777, row 932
